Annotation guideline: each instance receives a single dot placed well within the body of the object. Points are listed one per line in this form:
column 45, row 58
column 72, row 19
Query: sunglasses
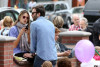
column 33, row 12
column 25, row 17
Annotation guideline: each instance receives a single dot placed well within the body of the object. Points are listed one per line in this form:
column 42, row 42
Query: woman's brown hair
column 21, row 13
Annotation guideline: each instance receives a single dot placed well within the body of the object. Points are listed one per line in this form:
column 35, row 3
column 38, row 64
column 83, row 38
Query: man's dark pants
column 38, row 62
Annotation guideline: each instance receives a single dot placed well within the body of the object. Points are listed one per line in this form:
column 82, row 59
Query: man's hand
column 28, row 55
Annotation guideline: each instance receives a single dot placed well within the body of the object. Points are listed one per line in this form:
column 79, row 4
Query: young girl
column 7, row 23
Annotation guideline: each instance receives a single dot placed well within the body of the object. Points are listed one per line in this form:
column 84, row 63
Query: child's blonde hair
column 47, row 64
column 7, row 21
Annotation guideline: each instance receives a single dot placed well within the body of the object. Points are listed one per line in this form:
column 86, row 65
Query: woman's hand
column 23, row 30
column 66, row 53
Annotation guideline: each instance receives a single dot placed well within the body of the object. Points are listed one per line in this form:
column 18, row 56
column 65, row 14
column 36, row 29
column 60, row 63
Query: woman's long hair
column 21, row 13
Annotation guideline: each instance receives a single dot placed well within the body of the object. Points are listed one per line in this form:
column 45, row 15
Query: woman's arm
column 65, row 53
column 16, row 42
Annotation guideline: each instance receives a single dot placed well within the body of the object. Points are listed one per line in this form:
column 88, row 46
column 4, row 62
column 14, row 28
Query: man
column 42, row 33
column 96, row 33
column 76, row 20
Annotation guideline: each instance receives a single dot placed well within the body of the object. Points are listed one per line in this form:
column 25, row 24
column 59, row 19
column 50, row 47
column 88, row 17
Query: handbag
column 20, row 61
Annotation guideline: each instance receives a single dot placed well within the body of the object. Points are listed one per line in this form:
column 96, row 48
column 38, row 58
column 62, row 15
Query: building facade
column 11, row 3
column 3, row 3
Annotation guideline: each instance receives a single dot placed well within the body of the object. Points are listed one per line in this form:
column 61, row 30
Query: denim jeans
column 38, row 62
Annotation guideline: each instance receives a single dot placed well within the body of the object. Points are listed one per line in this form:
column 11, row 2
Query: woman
column 21, row 44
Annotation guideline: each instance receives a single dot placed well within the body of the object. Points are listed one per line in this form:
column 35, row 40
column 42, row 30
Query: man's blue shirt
column 42, row 33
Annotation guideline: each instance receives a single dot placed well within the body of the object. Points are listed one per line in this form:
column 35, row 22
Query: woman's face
column 24, row 18
column 83, row 24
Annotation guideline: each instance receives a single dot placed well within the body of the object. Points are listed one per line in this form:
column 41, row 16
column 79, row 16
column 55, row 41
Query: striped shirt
column 73, row 27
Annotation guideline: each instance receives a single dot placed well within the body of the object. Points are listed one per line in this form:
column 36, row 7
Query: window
column 63, row 6
column 78, row 10
column 58, row 6
column 9, row 14
column 49, row 7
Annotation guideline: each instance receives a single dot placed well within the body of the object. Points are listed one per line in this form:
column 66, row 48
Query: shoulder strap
column 2, row 31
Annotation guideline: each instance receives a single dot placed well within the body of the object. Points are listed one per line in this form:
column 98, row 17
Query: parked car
column 77, row 10
column 57, row 8
column 92, row 11
column 7, row 11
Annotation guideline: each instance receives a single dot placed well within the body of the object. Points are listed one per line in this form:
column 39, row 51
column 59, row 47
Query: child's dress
column 97, row 57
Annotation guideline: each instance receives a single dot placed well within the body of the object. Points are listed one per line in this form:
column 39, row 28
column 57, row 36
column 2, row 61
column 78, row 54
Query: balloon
column 84, row 50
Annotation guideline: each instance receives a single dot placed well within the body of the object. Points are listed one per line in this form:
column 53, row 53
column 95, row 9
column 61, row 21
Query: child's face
column 56, row 36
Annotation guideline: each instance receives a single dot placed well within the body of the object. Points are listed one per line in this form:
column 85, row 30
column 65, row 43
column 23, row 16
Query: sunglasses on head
column 33, row 12
column 25, row 17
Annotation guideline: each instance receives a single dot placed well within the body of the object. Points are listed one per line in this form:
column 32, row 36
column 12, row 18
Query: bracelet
column 32, row 55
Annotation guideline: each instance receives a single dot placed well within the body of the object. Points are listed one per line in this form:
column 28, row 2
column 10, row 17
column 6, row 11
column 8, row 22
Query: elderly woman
column 83, row 24
column 84, row 27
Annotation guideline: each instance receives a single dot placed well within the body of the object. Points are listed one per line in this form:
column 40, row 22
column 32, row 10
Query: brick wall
column 6, row 48
column 6, row 51
column 71, row 38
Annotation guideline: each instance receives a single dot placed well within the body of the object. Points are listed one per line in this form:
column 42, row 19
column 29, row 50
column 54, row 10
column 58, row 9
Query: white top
column 32, row 4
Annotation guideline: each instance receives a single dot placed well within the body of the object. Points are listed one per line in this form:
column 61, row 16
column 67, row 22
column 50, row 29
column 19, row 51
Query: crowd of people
column 38, row 41
column 26, row 5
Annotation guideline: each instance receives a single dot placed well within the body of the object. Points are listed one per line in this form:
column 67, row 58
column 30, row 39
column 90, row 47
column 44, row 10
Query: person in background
column 64, row 62
column 42, row 32
column 84, row 27
column 76, row 20
column 25, row 5
column 47, row 64
column 96, row 56
column 1, row 24
column 62, row 50
column 83, row 24
column 7, row 23
column 96, row 32
column 59, row 22
column 17, row 4
column 32, row 4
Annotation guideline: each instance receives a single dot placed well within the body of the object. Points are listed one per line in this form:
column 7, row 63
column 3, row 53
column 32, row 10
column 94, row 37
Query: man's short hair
column 40, row 9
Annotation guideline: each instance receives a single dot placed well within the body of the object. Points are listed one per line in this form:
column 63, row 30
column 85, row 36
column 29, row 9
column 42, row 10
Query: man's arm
column 33, row 38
